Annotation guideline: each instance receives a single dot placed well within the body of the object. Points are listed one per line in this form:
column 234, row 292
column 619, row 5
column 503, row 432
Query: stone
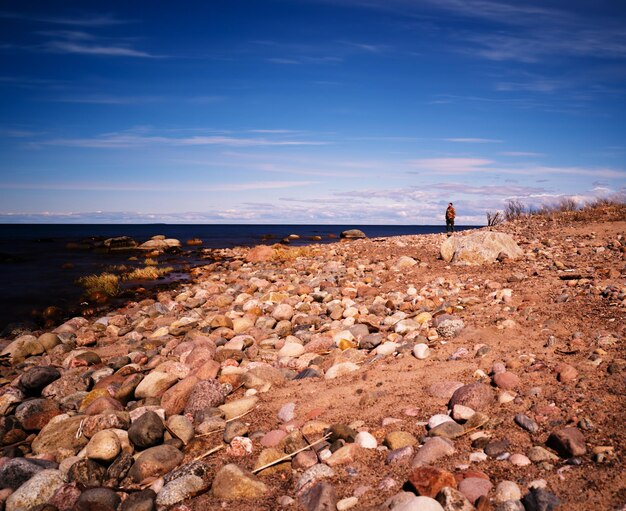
column 181, row 427
column 462, row 413
column 205, row 394
column 34, row 380
column 146, row 431
column 39, row 489
column 567, row 442
column 175, row 398
column 538, row 499
column 398, row 439
column 496, row 448
column 65, row 498
column 453, row 500
column 506, row 380
column 154, row 384
column 448, row 429
column 232, row 482
column 421, row 351
column 22, row 348
column 291, row 349
column 444, row 389
column 287, row 412
column 273, row 438
column 429, row 481
column 313, row 475
column 537, row 454
column 400, row 455
column 98, row 498
column 414, row 503
column 49, row 340
column 479, row 247
column 475, row 487
column 155, row 462
column 108, row 420
column 365, row 440
column 340, row 369
column 86, row 473
column 347, row 503
column 477, row 396
column 507, row 490
column 180, row 489
column 351, row 234
column 234, row 429
column 525, row 422
column 519, row 460
column 15, row 472
column 260, row 254
column 140, row 501
column 238, row 407
column 304, row 460
column 119, row 469
column 343, row 455
column 433, row 449
column 320, row 497
column 269, row 455
column 104, row 446
column 510, row 505
column 448, row 326
column 34, row 414
column 566, row 373
column 58, row 437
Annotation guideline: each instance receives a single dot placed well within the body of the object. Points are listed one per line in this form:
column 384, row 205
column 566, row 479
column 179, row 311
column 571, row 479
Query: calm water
column 34, row 259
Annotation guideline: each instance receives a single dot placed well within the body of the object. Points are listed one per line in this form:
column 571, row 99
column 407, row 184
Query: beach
column 479, row 371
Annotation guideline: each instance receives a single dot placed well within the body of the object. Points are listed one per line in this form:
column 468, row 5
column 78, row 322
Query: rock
column 181, row 427
column 119, row 469
column 34, row 380
column 37, row 490
column 444, row 389
column 506, row 380
column 343, row 455
column 98, row 498
column 104, row 446
column 352, row 234
column 537, row 454
column 365, row 440
column 320, row 497
column 304, row 460
column 475, row 487
column 205, row 394
column 86, row 473
column 429, row 481
column 477, row 396
column 234, row 429
column 403, row 263
column 155, row 462
column 347, row 503
column 175, row 398
column 154, row 384
column 238, row 407
column 400, row 455
column 433, row 449
column 180, row 489
column 421, row 351
column 287, row 412
column 566, row 373
column 58, row 437
column 496, row 448
column 312, row 475
column 519, row 460
column 511, row 505
column 146, row 431
column 159, row 244
column 291, row 349
column 341, row 369
column 65, row 497
column 232, row 482
column 507, row 490
column 462, row 413
column 34, row 414
column 398, row 439
column 108, row 420
column 448, row 326
column 418, row 504
column 140, row 501
column 15, row 472
column 567, row 442
column 49, row 340
column 479, row 247
column 22, row 348
column 453, row 500
column 525, row 422
column 268, row 456
column 538, row 499
column 260, row 254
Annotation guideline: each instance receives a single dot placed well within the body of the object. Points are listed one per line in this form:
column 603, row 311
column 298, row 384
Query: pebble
column 418, row 504
column 507, row 490
column 438, row 419
column 567, row 442
column 432, row 450
column 155, row 462
column 540, row 499
column 319, row 497
column 143, row 500
column 366, row 440
column 205, row 394
column 453, row 500
column 525, row 422
column 34, row 380
column 231, row 482
column 475, row 487
column 16, row 471
column 398, row 439
column 429, row 481
column 180, row 489
column 146, row 431
column 519, row 460
column 97, row 498
column 347, row 503
column 421, row 351
column 287, row 412
column 104, row 446
column 477, row 396
column 37, row 490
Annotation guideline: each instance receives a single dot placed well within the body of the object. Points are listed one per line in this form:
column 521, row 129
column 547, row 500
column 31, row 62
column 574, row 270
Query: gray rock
column 453, row 500
column 320, row 497
column 479, row 248
column 180, row 489
column 525, row 422
column 540, row 499
column 313, row 475
column 352, row 234
column 155, row 462
column 205, row 394
column 15, row 472
column 433, row 449
column 98, row 498
column 140, row 501
column 35, row 379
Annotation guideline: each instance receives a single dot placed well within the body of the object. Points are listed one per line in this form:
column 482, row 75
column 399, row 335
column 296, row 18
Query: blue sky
column 307, row 111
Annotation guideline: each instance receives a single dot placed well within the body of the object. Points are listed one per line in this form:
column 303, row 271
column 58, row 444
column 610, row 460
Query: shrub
column 494, row 218
column 513, row 210
column 282, row 253
column 106, row 283
column 150, row 262
column 568, row 204
column 147, row 273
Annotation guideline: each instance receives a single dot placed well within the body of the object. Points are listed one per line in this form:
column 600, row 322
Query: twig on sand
column 289, row 456
column 208, row 453
column 229, row 420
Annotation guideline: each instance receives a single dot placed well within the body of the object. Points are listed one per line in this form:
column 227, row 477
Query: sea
column 41, row 263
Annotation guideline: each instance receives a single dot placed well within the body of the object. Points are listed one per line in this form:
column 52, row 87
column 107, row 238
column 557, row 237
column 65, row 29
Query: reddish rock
column 36, row 413
column 506, row 380
column 476, row 396
column 260, row 254
column 273, row 438
column 175, row 398
column 343, row 455
column 103, row 404
column 475, row 487
column 566, row 373
column 208, row 370
column 567, row 442
column 429, row 481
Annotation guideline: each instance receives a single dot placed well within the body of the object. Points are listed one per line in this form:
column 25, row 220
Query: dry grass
column 494, row 218
column 147, row 273
column 106, row 283
column 150, row 262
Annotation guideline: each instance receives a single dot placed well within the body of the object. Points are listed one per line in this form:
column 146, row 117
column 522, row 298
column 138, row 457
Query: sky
column 307, row 111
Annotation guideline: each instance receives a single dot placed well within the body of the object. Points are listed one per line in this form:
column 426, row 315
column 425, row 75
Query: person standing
column 450, row 216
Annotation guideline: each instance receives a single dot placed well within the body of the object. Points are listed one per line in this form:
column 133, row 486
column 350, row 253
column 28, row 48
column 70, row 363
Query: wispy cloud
column 451, row 165
column 474, row 140
column 83, row 49
column 95, row 20
column 520, row 153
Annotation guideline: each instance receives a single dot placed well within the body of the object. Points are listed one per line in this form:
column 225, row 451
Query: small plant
column 147, row 273
column 494, row 218
column 282, row 253
column 105, row 283
column 150, row 262
column 513, row 210
column 568, row 204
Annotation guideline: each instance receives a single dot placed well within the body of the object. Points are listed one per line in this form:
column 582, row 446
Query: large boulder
column 120, row 243
column 479, row 247
column 353, row 234
column 159, row 244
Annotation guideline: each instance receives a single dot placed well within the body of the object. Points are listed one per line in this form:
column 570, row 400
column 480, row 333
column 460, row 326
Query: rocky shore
column 483, row 371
